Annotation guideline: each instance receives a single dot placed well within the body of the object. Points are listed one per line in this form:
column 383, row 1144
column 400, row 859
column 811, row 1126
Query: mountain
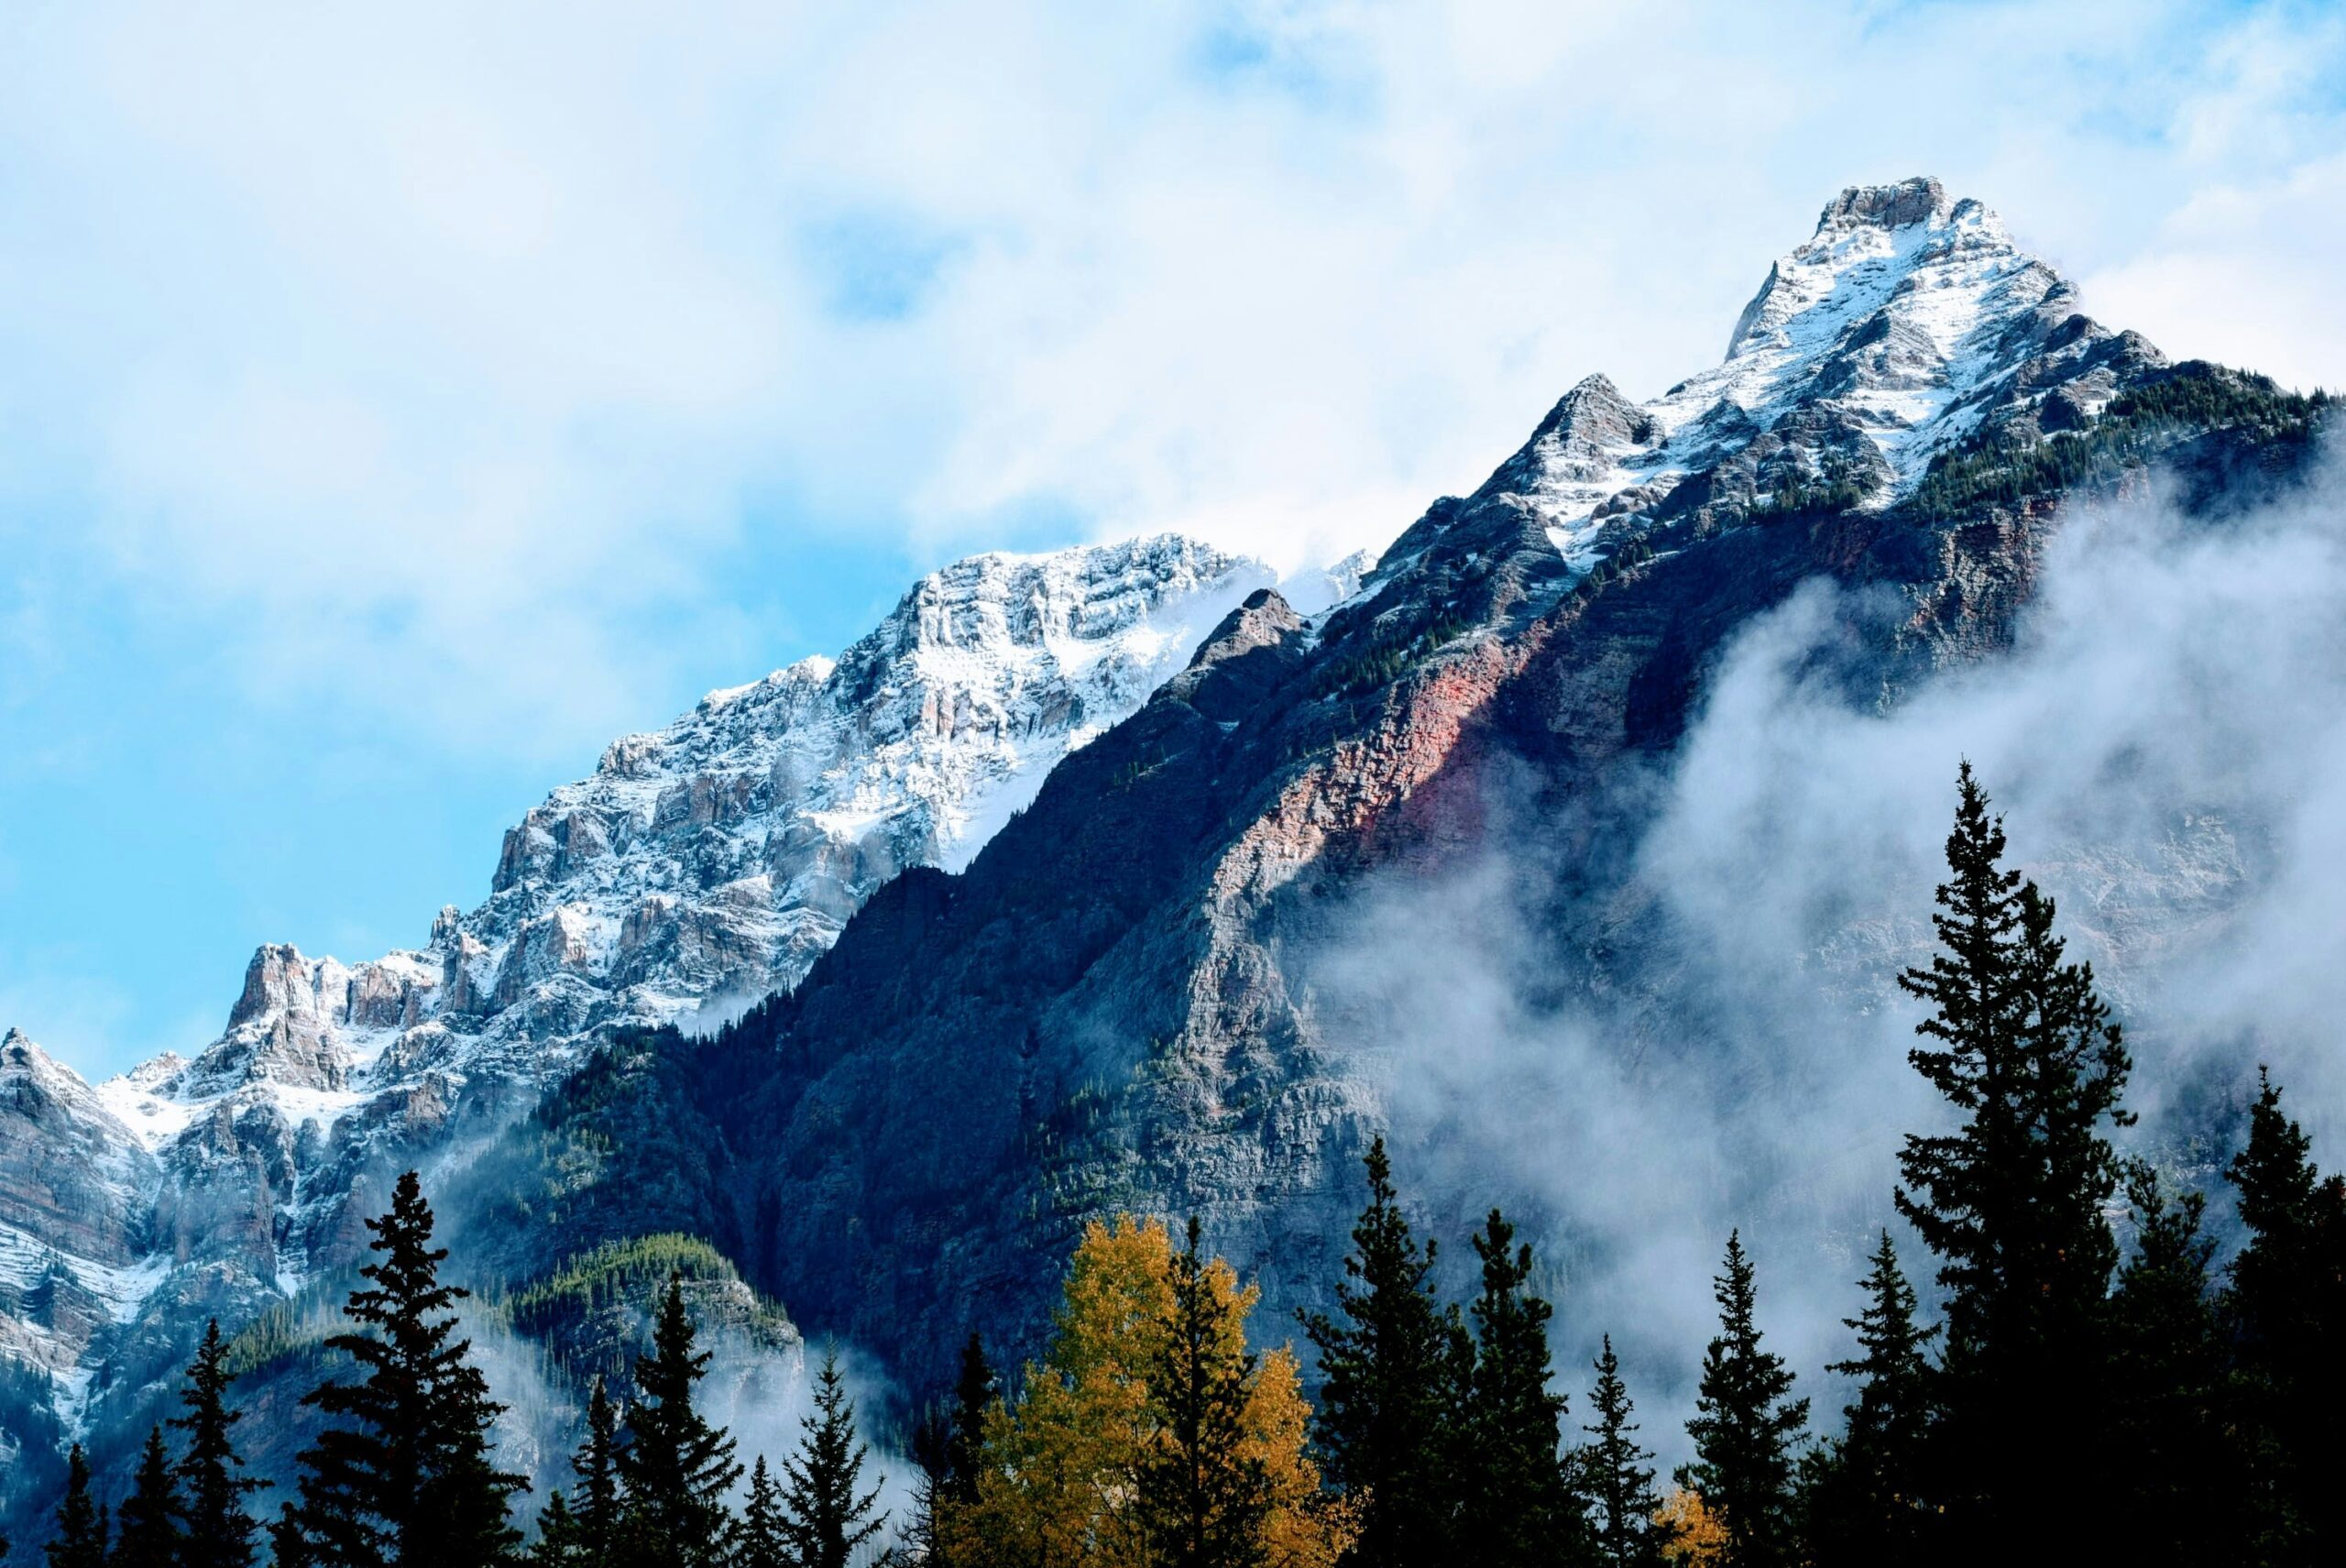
column 1136, row 995
column 1053, row 897
column 701, row 866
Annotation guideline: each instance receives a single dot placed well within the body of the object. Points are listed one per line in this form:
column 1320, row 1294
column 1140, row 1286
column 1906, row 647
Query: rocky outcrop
column 701, row 866
column 1115, row 1005
column 1034, row 943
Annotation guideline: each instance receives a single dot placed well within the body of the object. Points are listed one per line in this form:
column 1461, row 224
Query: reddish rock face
column 1115, row 1005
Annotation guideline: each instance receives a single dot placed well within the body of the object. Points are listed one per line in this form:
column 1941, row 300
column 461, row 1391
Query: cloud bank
column 2167, row 740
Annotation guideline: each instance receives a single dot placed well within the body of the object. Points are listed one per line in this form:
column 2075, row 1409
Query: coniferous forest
column 2057, row 1367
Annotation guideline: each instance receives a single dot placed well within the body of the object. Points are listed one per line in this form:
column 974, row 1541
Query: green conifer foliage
column 404, row 1473
column 557, row 1544
column 2174, row 1471
column 81, row 1540
column 289, row 1545
column 1389, row 1366
column 1204, row 1497
column 1865, row 1504
column 1517, row 1506
column 1747, row 1429
column 676, row 1468
column 2013, row 1200
column 828, row 1519
column 975, row 1390
column 212, row 1486
column 148, row 1534
column 765, row 1540
column 2283, row 1309
column 1615, row 1475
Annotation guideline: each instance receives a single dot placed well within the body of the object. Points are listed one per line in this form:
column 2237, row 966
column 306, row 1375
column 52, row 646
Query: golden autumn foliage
column 1058, row 1481
column 1692, row 1535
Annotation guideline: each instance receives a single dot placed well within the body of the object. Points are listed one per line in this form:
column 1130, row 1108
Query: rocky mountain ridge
column 914, row 1135
column 989, row 1025
column 701, row 866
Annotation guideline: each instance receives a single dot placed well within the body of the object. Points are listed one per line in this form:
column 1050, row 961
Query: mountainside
column 1126, row 1002
column 701, row 866
column 1100, row 881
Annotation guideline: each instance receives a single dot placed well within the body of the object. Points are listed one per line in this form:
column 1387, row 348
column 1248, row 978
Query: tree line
column 404, row 1471
column 2073, row 1398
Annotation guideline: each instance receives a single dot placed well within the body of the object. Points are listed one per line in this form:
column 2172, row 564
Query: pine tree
column 1517, row 1506
column 1204, row 1497
column 1615, row 1477
column 2172, row 1464
column 218, row 1532
column 2285, row 1298
column 973, row 1392
column 825, row 1521
column 557, row 1545
column 1864, row 1494
column 80, row 1523
column 947, row 1443
column 764, row 1537
column 594, row 1521
column 405, row 1473
column 148, row 1535
column 1746, row 1428
column 676, row 1468
column 289, row 1544
column 2013, row 1201
column 1390, row 1376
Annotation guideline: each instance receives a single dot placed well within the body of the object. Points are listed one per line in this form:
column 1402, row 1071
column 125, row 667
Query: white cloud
column 2246, row 274
column 438, row 356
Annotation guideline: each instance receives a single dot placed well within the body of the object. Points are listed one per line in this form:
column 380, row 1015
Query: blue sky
column 395, row 408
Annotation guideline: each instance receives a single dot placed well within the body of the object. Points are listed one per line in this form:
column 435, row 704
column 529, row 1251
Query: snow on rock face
column 700, row 867
column 1902, row 323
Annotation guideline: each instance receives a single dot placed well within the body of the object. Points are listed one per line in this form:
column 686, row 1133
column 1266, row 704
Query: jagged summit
column 1909, row 202
column 1902, row 324
column 701, row 866
column 1117, row 1002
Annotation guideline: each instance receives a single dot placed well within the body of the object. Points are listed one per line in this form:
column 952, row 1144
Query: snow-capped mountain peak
column 1891, row 335
column 699, row 867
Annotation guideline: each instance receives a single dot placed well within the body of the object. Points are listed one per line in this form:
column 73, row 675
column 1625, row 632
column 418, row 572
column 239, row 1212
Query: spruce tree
column 1864, row 1503
column 1518, row 1508
column 826, row 1521
column 557, row 1545
column 1615, row 1477
column 404, row 1471
column 289, row 1544
column 2173, row 1465
column 2013, row 1200
column 148, row 1534
column 80, row 1523
column 973, row 1390
column 1203, row 1495
column 676, row 1468
column 2285, row 1300
column 924, row 1536
column 1746, row 1428
column 595, row 1519
column 1389, row 1382
column 764, row 1536
column 218, row 1532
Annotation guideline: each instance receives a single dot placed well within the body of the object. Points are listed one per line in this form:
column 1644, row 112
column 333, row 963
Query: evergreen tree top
column 828, row 1517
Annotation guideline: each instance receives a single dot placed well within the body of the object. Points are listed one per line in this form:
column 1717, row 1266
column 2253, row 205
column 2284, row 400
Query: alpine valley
column 1062, row 893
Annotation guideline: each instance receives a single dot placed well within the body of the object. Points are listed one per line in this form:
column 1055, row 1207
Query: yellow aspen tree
column 1692, row 1536
column 1059, row 1478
